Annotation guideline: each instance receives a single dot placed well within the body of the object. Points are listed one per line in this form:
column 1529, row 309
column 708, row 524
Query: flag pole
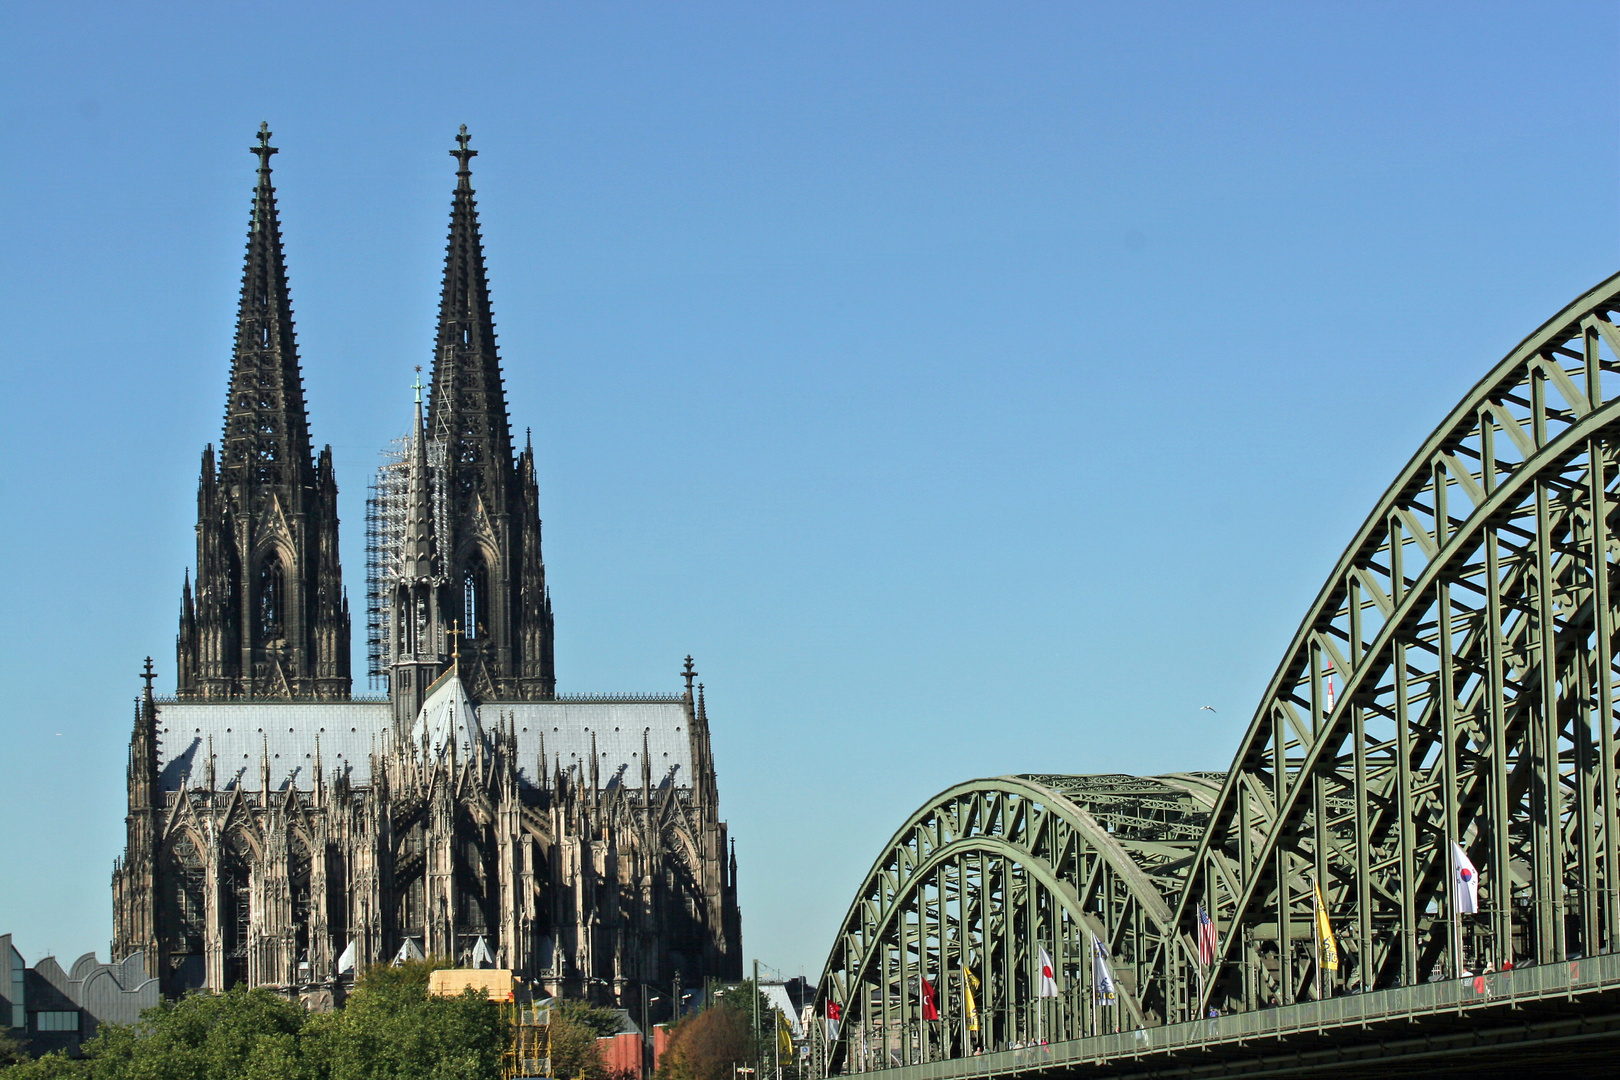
column 1316, row 938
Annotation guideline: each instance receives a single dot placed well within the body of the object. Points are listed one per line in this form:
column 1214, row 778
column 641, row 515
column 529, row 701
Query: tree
column 390, row 1030
column 708, row 1045
column 575, row 1027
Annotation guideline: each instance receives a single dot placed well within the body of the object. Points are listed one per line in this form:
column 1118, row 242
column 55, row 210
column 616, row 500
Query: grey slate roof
column 348, row 730
column 240, row 732
column 618, row 726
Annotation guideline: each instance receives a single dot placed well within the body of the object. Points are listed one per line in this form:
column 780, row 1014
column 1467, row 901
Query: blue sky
column 971, row 389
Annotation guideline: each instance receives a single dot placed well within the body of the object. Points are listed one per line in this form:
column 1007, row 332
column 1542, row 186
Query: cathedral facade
column 283, row 832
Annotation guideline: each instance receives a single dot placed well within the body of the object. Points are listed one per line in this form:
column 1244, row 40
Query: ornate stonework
column 281, row 831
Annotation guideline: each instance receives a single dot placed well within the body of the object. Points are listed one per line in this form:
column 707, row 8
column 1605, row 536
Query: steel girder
column 1471, row 622
column 1470, row 629
column 986, row 873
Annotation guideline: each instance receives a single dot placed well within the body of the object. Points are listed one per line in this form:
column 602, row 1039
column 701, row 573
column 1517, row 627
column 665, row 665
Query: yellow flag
column 968, row 983
column 784, row 1036
column 1324, row 932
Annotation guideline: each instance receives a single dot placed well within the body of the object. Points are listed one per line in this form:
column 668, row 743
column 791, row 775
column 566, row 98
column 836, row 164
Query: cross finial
column 455, row 644
column 690, row 673
column 148, row 675
column 417, row 385
column 463, row 155
column 264, row 149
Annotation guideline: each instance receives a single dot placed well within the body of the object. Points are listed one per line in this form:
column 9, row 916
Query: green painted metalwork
column 1470, row 631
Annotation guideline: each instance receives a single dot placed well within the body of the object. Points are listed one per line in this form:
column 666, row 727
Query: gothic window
column 474, row 598
column 272, row 598
column 185, row 914
column 236, row 913
column 300, row 882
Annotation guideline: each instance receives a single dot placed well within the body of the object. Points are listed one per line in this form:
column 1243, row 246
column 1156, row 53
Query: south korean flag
column 1464, row 880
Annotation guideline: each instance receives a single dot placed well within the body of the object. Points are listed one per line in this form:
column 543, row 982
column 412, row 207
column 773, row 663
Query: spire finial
column 148, row 675
column 463, row 155
column 417, row 385
column 455, row 644
column 264, row 149
column 690, row 673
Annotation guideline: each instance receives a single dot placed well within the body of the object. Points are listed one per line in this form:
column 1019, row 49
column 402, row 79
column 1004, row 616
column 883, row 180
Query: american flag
column 1206, row 937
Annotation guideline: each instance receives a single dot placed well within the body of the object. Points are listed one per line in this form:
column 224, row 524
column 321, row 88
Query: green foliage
column 390, row 1030
column 575, row 1027
column 11, row 1051
column 57, row 1066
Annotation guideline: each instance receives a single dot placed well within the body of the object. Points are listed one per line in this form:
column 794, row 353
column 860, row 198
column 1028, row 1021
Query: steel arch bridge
column 1453, row 682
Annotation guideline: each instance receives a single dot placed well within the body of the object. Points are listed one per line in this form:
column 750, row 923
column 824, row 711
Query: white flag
column 346, row 961
column 1048, row 986
column 1464, row 880
column 1102, row 975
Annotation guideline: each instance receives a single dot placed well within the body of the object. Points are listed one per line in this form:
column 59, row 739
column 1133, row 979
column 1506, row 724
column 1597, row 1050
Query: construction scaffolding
column 387, row 510
column 529, row 1052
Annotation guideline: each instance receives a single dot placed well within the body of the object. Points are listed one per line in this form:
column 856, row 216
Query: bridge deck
column 1562, row 1012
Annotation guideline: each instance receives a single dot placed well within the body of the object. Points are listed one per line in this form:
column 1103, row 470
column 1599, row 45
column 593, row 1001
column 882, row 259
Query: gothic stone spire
column 418, row 609
column 266, row 441
column 490, row 539
column 269, row 617
column 469, row 400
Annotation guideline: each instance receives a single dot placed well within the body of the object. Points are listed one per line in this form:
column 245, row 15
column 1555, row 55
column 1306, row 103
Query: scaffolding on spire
column 388, row 502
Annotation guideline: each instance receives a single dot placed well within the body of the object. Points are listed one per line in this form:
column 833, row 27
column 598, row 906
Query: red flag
column 930, row 1006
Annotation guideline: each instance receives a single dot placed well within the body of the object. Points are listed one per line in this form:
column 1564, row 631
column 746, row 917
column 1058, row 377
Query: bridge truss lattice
column 1469, row 631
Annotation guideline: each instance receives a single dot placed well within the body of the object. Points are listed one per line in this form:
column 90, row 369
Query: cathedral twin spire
column 268, row 616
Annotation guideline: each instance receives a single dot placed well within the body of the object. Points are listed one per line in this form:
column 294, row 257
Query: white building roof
column 241, row 732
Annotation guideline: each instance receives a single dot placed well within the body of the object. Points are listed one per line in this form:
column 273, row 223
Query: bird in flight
column 1211, row 708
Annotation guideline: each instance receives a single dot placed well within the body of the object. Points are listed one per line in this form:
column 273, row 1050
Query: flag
column 930, row 1007
column 1464, row 880
column 784, row 1035
column 969, row 981
column 1102, row 975
column 1207, row 941
column 1324, row 931
column 1048, row 987
column 833, row 1013
column 1327, row 686
column 345, row 962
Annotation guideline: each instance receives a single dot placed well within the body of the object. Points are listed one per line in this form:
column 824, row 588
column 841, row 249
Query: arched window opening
column 474, row 599
column 272, row 588
column 236, row 914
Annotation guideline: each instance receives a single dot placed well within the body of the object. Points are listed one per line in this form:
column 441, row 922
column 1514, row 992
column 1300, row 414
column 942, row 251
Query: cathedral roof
column 447, row 717
column 241, row 733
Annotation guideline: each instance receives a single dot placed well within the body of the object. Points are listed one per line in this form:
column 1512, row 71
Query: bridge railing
column 1459, row 996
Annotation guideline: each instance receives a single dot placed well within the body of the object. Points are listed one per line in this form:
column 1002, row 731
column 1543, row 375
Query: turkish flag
column 930, row 1006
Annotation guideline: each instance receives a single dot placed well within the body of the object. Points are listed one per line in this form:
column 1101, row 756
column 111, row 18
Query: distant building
column 282, row 832
column 49, row 1009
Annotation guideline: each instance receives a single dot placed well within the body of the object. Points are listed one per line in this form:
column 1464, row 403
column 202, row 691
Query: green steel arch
column 984, row 874
column 1453, row 683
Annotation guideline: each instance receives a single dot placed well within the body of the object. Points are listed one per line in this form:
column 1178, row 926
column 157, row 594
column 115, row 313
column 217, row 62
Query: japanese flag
column 1048, row 987
column 1464, row 880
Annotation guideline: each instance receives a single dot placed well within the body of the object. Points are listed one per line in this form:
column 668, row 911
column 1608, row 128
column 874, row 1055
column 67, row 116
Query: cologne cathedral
column 283, row 832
